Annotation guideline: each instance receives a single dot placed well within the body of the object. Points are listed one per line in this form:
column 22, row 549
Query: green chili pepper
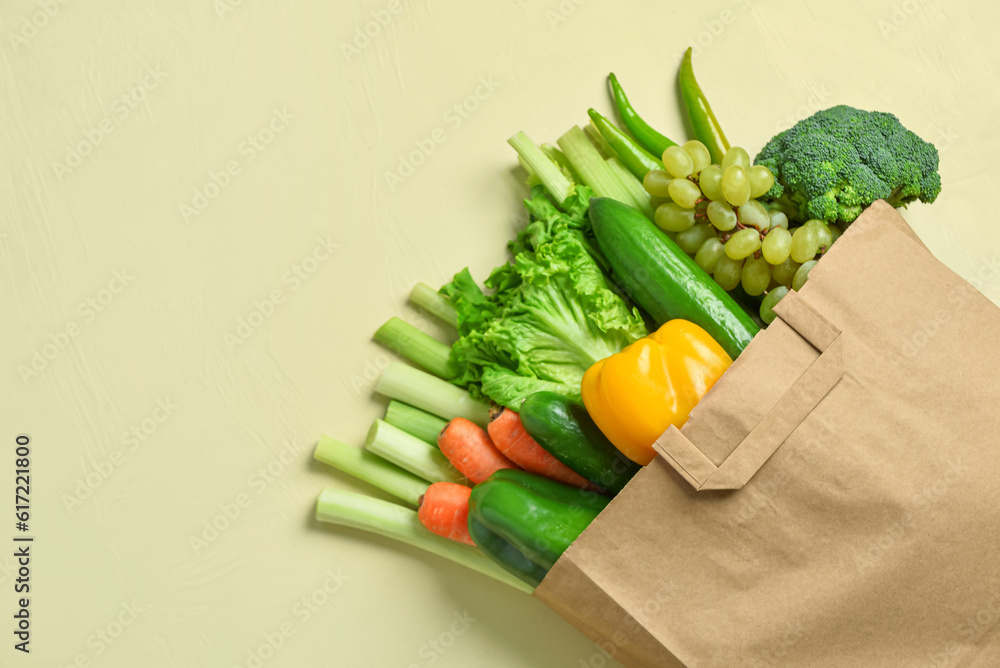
column 650, row 139
column 638, row 160
column 537, row 516
column 706, row 127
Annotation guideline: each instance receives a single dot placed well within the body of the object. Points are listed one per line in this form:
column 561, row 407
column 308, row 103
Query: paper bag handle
column 779, row 422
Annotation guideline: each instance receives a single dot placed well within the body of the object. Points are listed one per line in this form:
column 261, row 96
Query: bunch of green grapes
column 713, row 213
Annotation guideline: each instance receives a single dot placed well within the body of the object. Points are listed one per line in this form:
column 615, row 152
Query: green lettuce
column 546, row 316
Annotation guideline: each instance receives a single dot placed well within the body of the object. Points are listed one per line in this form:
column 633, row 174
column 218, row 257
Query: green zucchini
column 568, row 433
column 662, row 279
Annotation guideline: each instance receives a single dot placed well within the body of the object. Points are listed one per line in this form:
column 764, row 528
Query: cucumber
column 568, row 433
column 662, row 279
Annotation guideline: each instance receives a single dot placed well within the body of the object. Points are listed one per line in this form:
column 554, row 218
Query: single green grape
column 728, row 272
column 671, row 217
column 785, row 271
column 761, row 180
column 684, row 192
column 778, row 219
column 699, row 155
column 656, row 182
column 802, row 274
column 805, row 243
column 754, row 214
column 771, row 300
column 823, row 234
column 678, row 162
column 710, row 180
column 709, row 254
column 777, row 245
column 721, row 216
column 756, row 276
column 736, row 156
column 743, row 243
column 691, row 239
column 735, row 185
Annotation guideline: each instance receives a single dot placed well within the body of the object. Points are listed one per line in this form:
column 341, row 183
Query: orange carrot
column 510, row 438
column 444, row 510
column 469, row 449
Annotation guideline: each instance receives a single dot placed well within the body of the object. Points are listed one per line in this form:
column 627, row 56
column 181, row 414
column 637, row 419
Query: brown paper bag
column 834, row 500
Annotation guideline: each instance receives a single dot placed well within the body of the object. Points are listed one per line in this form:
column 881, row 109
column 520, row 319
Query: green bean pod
column 650, row 139
column 706, row 127
column 636, row 159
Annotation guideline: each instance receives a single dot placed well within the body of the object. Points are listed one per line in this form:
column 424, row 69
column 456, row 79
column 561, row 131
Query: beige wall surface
column 207, row 209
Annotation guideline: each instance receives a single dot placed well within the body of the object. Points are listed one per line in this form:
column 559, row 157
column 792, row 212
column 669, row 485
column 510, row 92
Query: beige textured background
column 169, row 169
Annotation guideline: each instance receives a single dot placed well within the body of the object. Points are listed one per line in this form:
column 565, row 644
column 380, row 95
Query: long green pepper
column 706, row 127
column 638, row 160
column 650, row 139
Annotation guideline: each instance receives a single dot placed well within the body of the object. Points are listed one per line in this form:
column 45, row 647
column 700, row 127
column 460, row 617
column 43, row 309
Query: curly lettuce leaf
column 549, row 316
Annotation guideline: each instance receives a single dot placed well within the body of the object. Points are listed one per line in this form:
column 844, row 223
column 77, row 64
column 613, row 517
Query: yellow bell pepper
column 634, row 395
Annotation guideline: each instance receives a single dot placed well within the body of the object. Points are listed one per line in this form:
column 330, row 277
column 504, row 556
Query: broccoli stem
column 434, row 303
column 410, row 453
column 392, row 520
column 372, row 469
column 420, row 348
column 895, row 197
column 429, row 393
column 785, row 205
column 414, row 421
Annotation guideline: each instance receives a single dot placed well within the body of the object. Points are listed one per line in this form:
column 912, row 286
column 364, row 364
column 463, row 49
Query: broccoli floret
column 838, row 161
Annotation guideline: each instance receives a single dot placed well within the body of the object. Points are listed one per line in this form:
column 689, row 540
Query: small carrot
column 469, row 449
column 444, row 510
column 510, row 438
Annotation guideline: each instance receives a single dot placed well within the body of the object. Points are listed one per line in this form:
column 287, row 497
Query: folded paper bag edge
column 684, row 456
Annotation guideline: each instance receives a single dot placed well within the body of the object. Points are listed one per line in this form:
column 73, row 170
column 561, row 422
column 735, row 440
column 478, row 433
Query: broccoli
column 838, row 161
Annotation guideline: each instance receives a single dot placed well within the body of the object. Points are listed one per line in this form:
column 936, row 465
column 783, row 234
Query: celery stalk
column 410, row 453
column 414, row 421
column 547, row 171
column 392, row 520
column 557, row 157
column 429, row 393
column 371, row 468
column 420, row 348
column 639, row 196
column 598, row 140
column 434, row 303
column 588, row 163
